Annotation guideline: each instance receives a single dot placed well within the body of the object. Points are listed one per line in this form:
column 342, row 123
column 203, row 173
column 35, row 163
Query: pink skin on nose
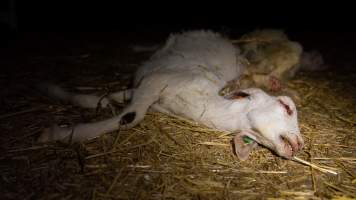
column 292, row 144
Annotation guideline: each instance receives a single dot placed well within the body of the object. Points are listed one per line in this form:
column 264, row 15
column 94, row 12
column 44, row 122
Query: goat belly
column 193, row 98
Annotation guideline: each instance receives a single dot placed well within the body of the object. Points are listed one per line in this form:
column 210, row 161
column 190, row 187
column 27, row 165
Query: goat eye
column 237, row 95
column 240, row 95
column 286, row 107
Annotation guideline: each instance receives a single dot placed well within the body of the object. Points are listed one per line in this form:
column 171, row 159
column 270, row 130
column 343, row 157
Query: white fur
column 183, row 78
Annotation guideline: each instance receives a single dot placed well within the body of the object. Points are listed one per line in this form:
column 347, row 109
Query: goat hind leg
column 129, row 117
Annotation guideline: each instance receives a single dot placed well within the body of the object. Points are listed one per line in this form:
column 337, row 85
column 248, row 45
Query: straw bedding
column 171, row 158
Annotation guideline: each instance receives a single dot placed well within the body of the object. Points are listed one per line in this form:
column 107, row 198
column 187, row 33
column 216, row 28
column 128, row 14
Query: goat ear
column 237, row 95
column 243, row 148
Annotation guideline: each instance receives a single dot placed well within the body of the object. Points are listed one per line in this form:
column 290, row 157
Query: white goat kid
column 183, row 78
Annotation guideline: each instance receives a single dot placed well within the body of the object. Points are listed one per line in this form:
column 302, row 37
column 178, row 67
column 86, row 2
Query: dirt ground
column 163, row 157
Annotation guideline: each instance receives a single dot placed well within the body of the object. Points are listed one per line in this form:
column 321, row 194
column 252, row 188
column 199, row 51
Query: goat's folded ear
column 243, row 145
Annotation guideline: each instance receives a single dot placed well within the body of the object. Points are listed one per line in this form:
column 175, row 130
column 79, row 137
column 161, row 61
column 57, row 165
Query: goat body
column 183, row 78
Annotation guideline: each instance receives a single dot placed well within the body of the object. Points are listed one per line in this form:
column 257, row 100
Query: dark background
column 168, row 15
column 49, row 25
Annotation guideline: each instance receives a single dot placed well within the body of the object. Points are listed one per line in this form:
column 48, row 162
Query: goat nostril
column 284, row 139
column 300, row 144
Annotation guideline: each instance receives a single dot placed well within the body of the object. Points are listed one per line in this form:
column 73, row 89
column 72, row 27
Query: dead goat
column 183, row 78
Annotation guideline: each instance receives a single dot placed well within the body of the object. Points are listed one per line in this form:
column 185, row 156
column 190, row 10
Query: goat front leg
column 268, row 81
column 122, row 96
column 82, row 100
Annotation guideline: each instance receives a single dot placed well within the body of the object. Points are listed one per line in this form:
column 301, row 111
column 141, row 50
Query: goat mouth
column 290, row 147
